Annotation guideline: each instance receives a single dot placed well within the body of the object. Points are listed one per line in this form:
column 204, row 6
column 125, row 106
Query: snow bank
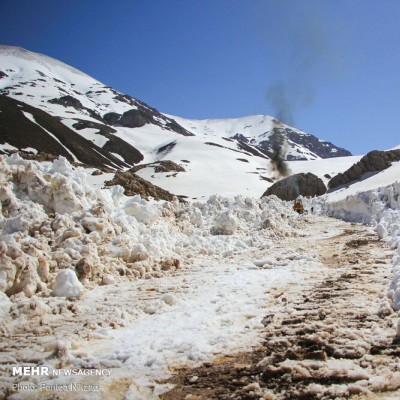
column 380, row 208
column 58, row 232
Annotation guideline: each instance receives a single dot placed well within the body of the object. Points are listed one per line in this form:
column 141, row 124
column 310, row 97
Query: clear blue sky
column 337, row 62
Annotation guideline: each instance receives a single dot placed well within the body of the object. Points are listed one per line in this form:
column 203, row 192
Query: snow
column 5, row 305
column 32, row 119
column 189, row 282
column 101, row 229
column 327, row 166
column 7, row 147
column 373, row 201
column 88, row 133
column 67, row 284
column 220, row 312
column 30, row 150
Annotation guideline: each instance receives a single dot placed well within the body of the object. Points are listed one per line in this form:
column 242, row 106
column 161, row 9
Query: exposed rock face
column 134, row 185
column 374, row 161
column 290, row 188
column 142, row 115
column 49, row 135
column 114, row 143
column 135, row 119
column 290, row 137
column 69, row 101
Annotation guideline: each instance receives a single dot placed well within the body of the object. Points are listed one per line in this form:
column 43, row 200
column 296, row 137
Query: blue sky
column 329, row 67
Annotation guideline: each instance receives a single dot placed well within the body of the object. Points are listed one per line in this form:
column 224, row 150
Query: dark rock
column 167, row 148
column 48, row 135
column 142, row 114
column 374, row 161
column 265, row 178
column 135, row 119
column 67, row 101
column 290, row 188
column 240, row 138
column 130, row 119
column 130, row 154
column 111, row 118
column 104, row 130
column 172, row 125
column 115, row 144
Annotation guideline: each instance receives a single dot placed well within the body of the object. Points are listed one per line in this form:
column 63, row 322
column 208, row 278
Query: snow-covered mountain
column 47, row 106
column 68, row 112
column 258, row 131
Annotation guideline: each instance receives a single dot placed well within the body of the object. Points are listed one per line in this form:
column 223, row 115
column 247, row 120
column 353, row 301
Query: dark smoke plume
column 278, row 158
column 300, row 49
column 280, row 101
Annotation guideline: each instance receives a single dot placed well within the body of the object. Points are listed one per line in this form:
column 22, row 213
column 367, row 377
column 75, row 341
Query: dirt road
column 334, row 340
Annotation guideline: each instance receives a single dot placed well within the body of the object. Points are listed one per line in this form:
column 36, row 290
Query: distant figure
column 312, row 210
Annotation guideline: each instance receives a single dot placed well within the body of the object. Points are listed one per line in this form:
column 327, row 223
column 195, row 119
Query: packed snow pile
column 58, row 232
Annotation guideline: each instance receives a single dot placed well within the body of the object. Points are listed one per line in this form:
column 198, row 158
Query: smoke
column 278, row 158
column 300, row 53
column 283, row 112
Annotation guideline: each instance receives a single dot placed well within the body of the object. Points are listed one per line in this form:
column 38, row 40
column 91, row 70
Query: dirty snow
column 148, row 286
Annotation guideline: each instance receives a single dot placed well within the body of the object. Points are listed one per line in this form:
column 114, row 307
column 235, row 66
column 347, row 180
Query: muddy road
column 336, row 339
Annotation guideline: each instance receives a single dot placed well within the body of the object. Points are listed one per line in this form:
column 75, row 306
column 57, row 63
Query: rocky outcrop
column 135, row 119
column 134, row 185
column 374, row 161
column 168, row 166
column 307, row 185
column 47, row 134
column 70, row 101
column 142, row 115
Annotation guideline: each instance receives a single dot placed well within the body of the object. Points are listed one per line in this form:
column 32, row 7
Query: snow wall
column 379, row 208
column 53, row 220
